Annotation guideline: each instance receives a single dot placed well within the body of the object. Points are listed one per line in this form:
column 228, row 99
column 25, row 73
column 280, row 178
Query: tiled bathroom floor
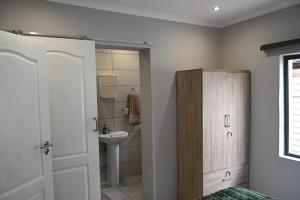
column 128, row 192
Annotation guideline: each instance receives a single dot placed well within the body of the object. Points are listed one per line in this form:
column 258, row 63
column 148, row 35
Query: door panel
column 37, row 196
column 214, row 110
column 66, row 94
column 24, row 169
column 238, row 109
column 73, row 180
column 73, row 105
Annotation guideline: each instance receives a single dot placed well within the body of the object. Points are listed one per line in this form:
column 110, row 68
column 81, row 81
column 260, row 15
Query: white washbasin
column 114, row 137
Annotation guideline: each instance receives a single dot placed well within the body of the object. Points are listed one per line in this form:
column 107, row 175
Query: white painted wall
column 176, row 46
column 240, row 48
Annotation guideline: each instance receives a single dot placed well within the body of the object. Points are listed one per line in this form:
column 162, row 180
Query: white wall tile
column 109, row 123
column 104, row 99
column 126, row 61
column 128, row 77
column 130, row 169
column 130, row 154
column 119, row 109
column 106, row 110
column 121, row 124
column 134, row 137
column 104, row 72
column 104, row 61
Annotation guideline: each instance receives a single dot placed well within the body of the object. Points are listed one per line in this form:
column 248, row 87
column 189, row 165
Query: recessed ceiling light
column 217, row 8
column 33, row 33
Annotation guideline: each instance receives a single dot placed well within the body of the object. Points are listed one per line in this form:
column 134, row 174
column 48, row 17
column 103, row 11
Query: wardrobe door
column 214, row 110
column 238, row 122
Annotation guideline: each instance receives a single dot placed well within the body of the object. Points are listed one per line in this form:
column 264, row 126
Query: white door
column 25, row 169
column 73, row 107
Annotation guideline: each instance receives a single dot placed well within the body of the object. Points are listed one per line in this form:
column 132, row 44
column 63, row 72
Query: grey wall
column 240, row 48
column 176, row 46
column 182, row 46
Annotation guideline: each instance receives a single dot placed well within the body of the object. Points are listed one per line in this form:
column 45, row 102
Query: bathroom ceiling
column 198, row 12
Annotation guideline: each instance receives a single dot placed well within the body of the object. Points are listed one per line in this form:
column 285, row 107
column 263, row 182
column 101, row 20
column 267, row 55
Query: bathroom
column 120, row 70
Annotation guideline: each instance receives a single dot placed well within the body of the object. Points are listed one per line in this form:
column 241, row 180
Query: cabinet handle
column 229, row 134
column 228, row 124
column 225, row 121
column 227, row 176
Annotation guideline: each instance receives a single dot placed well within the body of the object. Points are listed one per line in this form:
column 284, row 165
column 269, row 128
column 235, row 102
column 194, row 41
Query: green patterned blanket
column 236, row 193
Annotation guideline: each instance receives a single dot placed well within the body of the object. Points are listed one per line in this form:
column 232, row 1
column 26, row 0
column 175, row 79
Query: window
column 292, row 105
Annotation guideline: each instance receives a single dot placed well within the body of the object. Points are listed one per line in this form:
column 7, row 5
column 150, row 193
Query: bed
column 236, row 193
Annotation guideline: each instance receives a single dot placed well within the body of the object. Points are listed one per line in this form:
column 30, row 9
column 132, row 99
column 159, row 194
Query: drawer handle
column 229, row 134
column 227, row 176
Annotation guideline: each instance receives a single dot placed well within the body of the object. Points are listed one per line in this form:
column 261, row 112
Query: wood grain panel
column 189, row 134
column 207, row 150
column 238, row 109
column 214, row 181
column 214, row 110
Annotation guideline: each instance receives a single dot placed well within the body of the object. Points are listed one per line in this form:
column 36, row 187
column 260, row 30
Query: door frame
column 148, row 169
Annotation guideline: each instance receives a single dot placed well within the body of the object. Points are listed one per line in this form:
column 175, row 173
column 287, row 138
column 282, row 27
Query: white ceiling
column 198, row 12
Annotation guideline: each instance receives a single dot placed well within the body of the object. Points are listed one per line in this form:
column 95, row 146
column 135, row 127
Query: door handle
column 46, row 147
column 96, row 122
column 228, row 124
column 225, row 121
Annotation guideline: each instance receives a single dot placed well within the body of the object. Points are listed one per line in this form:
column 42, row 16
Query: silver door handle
column 46, row 147
column 96, row 122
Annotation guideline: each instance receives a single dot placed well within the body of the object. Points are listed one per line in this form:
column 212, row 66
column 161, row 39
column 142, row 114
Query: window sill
column 289, row 158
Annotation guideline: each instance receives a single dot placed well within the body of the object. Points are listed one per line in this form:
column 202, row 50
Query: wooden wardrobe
column 212, row 130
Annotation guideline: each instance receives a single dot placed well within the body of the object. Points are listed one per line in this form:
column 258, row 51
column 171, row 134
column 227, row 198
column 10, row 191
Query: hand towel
column 134, row 109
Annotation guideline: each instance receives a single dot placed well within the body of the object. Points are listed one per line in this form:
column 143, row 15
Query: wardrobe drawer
column 244, row 185
column 222, row 179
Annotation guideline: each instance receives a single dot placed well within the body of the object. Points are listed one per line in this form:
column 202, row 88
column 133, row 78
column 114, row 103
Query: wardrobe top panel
column 218, row 70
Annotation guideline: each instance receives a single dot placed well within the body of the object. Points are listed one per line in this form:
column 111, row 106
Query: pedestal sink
column 113, row 140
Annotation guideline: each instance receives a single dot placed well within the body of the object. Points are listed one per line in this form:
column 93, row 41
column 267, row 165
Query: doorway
column 116, row 102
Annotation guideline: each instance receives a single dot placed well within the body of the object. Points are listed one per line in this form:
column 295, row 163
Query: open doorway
column 119, row 110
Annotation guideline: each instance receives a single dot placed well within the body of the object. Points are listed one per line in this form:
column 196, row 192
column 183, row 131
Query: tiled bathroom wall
column 124, row 64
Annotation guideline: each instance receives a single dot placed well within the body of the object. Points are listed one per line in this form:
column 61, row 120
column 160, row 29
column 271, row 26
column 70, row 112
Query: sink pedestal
column 113, row 139
column 113, row 164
